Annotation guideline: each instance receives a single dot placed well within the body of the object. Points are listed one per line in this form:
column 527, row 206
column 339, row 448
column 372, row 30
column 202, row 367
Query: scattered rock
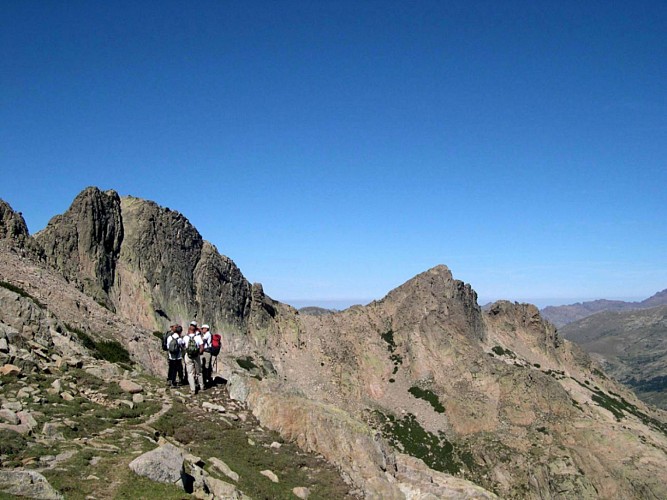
column 238, row 388
column 74, row 362
column 57, row 385
column 251, row 442
column 4, row 346
column 163, row 465
column 221, row 489
column 224, row 468
column 23, row 393
column 27, row 419
column 10, row 370
column 301, row 492
column 137, row 398
column 213, row 407
column 275, row 445
column 12, row 405
column 9, row 416
column 129, row 404
column 67, row 396
column 131, row 387
column 271, row 475
column 27, row 483
column 51, row 430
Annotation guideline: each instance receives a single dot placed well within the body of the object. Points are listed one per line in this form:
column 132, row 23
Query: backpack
column 174, row 348
column 215, row 344
column 165, row 340
column 192, row 349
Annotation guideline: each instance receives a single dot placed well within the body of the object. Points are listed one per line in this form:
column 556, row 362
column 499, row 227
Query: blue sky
column 336, row 149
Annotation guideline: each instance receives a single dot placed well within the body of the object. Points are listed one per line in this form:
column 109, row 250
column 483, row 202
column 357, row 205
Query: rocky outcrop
column 165, row 464
column 27, row 483
column 83, row 244
column 149, row 264
column 12, row 225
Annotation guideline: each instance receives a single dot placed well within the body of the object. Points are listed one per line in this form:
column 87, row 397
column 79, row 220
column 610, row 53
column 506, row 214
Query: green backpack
column 192, row 349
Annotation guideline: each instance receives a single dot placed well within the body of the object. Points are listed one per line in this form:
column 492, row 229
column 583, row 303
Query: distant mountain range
column 632, row 346
column 562, row 315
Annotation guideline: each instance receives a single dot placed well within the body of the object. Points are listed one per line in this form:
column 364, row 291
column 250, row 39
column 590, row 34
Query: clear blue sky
column 335, row 149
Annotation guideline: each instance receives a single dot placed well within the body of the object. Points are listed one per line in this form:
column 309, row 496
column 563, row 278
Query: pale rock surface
column 24, row 483
column 9, row 416
column 270, row 474
column 213, row 407
column 224, row 468
column 9, row 370
column 163, row 465
column 301, row 492
column 130, row 386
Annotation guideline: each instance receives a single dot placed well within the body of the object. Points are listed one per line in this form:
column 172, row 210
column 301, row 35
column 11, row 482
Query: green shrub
column 429, row 396
column 108, row 350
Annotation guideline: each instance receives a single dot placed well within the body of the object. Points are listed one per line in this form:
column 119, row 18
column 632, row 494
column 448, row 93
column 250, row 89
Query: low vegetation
column 429, row 396
column 108, row 350
column 21, row 292
column 408, row 436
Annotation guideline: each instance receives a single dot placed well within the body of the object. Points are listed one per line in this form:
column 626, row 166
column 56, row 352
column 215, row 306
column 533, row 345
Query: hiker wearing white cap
column 193, row 347
column 206, row 368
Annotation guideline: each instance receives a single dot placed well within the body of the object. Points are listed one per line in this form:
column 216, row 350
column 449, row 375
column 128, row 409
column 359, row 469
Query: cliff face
column 83, row 244
column 149, row 264
column 497, row 397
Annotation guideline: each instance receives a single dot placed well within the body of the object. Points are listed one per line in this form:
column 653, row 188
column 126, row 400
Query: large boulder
column 27, row 483
column 163, row 465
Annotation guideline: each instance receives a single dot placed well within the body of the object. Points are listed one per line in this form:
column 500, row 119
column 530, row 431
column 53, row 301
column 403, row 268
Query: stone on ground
column 301, row 492
column 163, row 465
column 27, row 483
column 224, row 468
column 271, row 475
column 10, row 370
column 131, row 387
column 213, row 407
column 9, row 416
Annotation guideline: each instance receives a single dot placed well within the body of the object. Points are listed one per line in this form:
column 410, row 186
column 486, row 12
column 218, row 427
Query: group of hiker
column 191, row 355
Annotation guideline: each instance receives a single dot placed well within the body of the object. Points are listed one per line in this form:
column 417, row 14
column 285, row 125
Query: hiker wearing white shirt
column 175, row 354
column 193, row 346
column 207, row 369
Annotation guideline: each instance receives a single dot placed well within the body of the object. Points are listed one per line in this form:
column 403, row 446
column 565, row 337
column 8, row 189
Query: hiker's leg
column 200, row 378
column 190, row 366
column 206, row 367
column 179, row 371
column 171, row 377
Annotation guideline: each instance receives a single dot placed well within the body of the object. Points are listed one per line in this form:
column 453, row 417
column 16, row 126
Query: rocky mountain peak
column 436, row 293
column 12, row 224
column 83, row 244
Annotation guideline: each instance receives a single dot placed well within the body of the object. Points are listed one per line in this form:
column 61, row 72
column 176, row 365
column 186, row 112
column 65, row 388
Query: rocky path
column 81, row 433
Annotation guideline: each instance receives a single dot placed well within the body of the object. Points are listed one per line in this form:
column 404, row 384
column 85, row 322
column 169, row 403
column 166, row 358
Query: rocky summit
column 419, row 395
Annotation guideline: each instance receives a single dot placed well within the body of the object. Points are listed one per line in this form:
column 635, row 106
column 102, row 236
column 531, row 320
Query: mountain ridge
column 562, row 315
column 407, row 396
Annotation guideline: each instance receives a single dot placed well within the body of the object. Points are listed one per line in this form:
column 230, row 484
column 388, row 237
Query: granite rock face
column 83, row 244
column 12, row 225
column 148, row 263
